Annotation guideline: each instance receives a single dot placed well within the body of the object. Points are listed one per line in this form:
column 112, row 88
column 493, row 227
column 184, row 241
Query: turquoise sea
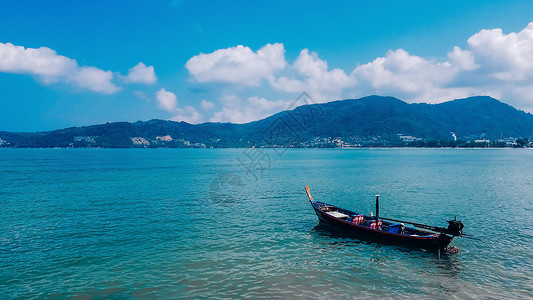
column 235, row 223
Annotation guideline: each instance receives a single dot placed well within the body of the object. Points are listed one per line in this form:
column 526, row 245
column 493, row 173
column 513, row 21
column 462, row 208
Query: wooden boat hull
column 433, row 242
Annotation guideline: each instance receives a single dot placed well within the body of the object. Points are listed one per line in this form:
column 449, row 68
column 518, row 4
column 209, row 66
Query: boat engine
column 455, row 228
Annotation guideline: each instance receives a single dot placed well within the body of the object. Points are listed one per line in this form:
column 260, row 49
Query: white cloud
column 230, row 100
column 263, row 104
column 239, row 65
column 463, row 59
column 188, row 114
column 94, row 79
column 522, row 95
column 507, row 57
column 42, row 61
column 494, row 63
column 290, row 85
column 49, row 67
column 206, row 105
column 254, row 108
column 408, row 76
column 317, row 80
column 167, row 100
column 141, row 73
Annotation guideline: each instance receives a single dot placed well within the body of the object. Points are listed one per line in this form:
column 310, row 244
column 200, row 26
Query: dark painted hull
column 438, row 242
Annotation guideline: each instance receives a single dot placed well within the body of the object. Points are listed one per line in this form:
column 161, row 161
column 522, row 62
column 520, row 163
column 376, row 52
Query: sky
column 78, row 63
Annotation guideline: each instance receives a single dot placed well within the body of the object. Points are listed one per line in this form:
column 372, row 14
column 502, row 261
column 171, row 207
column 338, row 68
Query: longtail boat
column 388, row 230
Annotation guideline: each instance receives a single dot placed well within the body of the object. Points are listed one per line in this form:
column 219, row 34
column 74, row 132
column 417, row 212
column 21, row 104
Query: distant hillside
column 374, row 115
column 358, row 121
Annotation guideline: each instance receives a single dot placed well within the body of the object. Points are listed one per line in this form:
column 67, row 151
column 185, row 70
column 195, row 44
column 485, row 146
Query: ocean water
column 235, row 223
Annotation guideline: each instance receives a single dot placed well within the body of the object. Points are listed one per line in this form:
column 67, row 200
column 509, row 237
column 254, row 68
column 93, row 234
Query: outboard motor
column 455, row 228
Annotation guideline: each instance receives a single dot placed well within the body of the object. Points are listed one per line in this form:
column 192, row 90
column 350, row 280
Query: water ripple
column 140, row 224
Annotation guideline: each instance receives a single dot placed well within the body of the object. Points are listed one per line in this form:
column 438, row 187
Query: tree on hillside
column 521, row 142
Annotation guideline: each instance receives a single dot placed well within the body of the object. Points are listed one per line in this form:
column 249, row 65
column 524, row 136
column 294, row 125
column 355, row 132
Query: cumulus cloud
column 141, row 73
column 49, row 67
column 166, row 100
column 235, row 110
column 405, row 75
column 504, row 66
column 494, row 63
column 94, row 79
column 188, row 114
column 239, row 65
column 506, row 56
column 263, row 104
column 206, row 105
column 463, row 59
column 312, row 75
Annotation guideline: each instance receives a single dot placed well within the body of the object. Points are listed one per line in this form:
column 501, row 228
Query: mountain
column 376, row 115
column 369, row 119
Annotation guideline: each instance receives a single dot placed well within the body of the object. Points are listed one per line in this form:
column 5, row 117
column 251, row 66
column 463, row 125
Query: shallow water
column 223, row 223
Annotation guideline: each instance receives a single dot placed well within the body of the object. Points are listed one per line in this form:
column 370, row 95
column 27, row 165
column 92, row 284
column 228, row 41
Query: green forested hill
column 365, row 118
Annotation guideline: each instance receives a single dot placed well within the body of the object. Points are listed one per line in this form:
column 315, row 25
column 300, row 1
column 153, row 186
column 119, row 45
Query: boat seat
column 337, row 214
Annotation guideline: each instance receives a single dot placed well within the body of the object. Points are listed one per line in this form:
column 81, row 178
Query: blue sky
column 74, row 63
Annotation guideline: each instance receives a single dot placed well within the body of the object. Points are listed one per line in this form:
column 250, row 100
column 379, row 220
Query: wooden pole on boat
column 308, row 193
column 377, row 206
